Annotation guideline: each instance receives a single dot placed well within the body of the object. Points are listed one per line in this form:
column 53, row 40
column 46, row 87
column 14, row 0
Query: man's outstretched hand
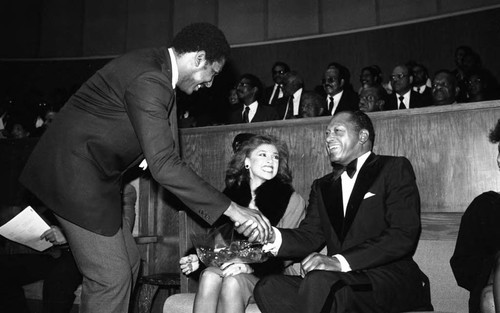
column 249, row 222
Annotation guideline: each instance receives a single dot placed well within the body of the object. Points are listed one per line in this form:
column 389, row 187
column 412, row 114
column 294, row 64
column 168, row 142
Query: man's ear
column 200, row 58
column 342, row 83
column 411, row 80
column 363, row 136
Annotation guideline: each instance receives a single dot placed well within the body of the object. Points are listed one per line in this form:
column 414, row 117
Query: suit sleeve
column 148, row 101
column 308, row 237
column 401, row 209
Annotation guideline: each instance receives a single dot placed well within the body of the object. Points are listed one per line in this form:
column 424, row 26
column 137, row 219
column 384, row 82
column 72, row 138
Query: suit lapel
column 332, row 198
column 367, row 174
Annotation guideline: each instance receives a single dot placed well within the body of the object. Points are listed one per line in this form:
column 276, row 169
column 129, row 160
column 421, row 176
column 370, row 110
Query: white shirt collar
column 336, row 100
column 406, row 99
column 175, row 69
column 296, row 101
column 253, row 109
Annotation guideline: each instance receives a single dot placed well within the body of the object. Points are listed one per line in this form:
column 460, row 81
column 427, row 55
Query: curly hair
column 236, row 173
column 494, row 135
column 202, row 36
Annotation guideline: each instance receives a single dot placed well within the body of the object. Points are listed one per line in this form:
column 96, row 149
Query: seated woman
column 257, row 177
column 476, row 259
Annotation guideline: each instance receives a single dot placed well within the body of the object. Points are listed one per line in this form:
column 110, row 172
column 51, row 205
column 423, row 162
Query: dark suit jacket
column 348, row 102
column 416, row 101
column 117, row 118
column 263, row 113
column 427, row 96
column 268, row 91
column 378, row 235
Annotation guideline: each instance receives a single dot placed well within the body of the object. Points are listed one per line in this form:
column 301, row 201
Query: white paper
column 26, row 228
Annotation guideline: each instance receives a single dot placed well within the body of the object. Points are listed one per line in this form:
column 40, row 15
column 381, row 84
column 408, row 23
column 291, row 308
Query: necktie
column 401, row 103
column 338, row 169
column 276, row 95
column 330, row 105
column 245, row 114
column 289, row 109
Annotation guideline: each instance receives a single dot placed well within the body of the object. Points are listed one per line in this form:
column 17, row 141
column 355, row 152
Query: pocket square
column 368, row 195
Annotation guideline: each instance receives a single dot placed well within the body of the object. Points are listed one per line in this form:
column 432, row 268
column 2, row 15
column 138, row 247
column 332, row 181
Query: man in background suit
column 421, row 83
column 288, row 106
column 339, row 96
column 116, row 119
column 275, row 92
column 367, row 212
column 250, row 110
column 403, row 96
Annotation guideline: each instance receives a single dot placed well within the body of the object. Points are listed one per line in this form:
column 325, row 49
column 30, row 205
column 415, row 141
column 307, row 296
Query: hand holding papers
column 26, row 228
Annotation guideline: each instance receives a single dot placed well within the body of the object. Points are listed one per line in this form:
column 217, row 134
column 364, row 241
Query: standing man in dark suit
column 367, row 213
column 338, row 97
column 403, row 96
column 118, row 118
column 275, row 92
column 250, row 110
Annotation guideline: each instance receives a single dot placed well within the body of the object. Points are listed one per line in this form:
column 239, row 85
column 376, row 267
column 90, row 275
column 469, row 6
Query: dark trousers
column 318, row 292
column 60, row 275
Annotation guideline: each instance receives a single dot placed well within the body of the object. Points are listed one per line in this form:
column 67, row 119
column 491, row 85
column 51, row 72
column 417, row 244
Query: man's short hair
column 362, row 121
column 202, row 36
column 344, row 72
column 452, row 78
column 285, row 66
column 254, row 82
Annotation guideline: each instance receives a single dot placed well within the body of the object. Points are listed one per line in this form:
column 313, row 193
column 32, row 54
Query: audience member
column 339, row 95
column 19, row 125
column 370, row 76
column 481, row 86
column 444, row 88
column 312, row 105
column 422, row 83
column 288, row 106
column 476, row 259
column 258, row 177
column 461, row 67
column 55, row 266
column 372, row 99
column 367, row 212
column 232, row 97
column 403, row 96
column 249, row 90
column 275, row 92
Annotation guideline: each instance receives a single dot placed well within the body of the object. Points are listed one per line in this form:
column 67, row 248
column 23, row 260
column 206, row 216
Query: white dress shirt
column 280, row 95
column 336, row 100
column 406, row 99
column 253, row 109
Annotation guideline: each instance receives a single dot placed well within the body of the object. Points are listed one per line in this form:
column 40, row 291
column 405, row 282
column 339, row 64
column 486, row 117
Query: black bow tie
column 338, row 169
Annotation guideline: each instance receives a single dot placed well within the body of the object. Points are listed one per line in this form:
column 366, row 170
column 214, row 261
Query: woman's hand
column 54, row 235
column 189, row 264
column 231, row 269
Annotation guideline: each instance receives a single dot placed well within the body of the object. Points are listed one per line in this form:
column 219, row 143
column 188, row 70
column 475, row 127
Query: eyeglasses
column 368, row 98
column 281, row 72
column 398, row 76
column 329, row 80
column 243, row 84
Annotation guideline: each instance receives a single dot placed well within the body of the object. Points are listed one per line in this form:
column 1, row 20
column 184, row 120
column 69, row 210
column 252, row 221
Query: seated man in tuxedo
column 403, row 96
column 275, row 92
column 336, row 83
column 288, row 106
column 249, row 110
column 445, row 88
column 422, row 83
column 367, row 213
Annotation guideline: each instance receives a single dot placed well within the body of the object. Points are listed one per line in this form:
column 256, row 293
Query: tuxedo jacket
column 378, row 234
column 263, row 113
column 416, row 101
column 268, row 91
column 116, row 119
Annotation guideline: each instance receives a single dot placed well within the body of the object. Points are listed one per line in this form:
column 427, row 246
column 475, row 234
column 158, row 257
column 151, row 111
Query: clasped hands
column 318, row 261
column 191, row 263
column 251, row 223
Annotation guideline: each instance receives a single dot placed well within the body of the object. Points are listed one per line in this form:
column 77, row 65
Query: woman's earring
column 247, row 166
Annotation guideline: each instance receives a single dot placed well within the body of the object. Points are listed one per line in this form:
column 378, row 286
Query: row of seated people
column 409, row 86
column 231, row 286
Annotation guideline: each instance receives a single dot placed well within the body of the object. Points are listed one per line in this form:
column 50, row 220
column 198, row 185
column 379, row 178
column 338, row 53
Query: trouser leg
column 109, row 266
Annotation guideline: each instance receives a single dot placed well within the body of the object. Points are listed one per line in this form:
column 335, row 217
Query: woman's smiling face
column 263, row 163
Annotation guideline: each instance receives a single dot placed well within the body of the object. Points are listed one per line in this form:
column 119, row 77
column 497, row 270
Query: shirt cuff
column 344, row 265
column 275, row 246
